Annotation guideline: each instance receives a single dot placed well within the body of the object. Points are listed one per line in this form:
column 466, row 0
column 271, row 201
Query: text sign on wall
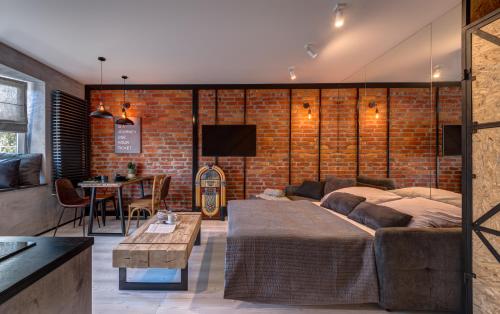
column 128, row 137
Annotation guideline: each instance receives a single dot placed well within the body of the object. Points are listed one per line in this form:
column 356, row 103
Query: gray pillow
column 376, row 216
column 333, row 183
column 29, row 167
column 342, row 203
column 310, row 189
column 9, row 173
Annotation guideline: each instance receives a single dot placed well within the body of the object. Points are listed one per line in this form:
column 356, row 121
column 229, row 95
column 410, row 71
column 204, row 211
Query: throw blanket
column 297, row 253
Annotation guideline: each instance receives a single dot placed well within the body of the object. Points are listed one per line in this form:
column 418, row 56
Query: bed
column 300, row 253
column 297, row 253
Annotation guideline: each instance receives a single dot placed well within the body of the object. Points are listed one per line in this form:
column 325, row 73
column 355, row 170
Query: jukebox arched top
column 210, row 185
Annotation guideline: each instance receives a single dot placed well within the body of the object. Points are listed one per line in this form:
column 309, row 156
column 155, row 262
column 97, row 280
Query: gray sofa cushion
column 379, row 183
column 9, row 173
column 311, row 189
column 29, row 168
column 334, row 183
column 419, row 268
column 342, row 203
column 376, row 216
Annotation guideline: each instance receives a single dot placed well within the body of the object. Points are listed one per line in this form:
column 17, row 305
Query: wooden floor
column 206, row 281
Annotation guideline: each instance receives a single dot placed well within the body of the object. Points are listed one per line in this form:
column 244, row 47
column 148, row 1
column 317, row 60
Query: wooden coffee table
column 158, row 250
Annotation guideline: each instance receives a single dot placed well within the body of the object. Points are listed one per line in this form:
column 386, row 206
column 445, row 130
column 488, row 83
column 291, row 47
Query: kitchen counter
column 24, row 269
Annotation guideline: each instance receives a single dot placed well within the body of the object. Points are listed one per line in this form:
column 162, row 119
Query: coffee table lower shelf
column 165, row 286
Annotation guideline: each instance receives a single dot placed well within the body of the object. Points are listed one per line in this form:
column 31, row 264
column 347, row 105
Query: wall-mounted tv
column 452, row 140
column 229, row 140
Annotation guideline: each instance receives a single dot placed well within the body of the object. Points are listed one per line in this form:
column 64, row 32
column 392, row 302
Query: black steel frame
column 467, row 176
column 123, row 284
column 93, row 193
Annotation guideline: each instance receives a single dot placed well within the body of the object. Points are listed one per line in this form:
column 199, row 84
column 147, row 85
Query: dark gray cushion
column 333, row 183
column 342, row 203
column 376, row 216
column 9, row 173
column 310, row 189
column 301, row 198
column 419, row 269
column 379, row 183
column 29, row 168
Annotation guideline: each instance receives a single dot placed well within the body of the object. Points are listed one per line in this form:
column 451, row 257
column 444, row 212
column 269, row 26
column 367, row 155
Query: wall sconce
column 124, row 120
column 374, row 105
column 309, row 112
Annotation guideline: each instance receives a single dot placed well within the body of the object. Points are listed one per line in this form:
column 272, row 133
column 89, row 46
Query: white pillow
column 427, row 213
column 372, row 195
column 440, row 195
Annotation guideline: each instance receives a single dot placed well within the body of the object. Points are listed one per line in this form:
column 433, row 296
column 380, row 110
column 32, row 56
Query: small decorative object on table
column 131, row 170
column 167, row 217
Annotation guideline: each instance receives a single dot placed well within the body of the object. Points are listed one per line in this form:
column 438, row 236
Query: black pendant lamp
column 101, row 112
column 123, row 120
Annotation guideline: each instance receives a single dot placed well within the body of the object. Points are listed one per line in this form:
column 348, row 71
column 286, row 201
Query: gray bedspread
column 297, row 253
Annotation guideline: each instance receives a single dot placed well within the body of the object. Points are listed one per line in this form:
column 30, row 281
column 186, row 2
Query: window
column 13, row 115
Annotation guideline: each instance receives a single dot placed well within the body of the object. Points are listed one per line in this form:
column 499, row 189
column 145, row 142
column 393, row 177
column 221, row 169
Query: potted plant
column 132, row 170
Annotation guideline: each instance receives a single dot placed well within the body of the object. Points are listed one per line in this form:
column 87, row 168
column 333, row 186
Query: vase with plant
column 131, row 167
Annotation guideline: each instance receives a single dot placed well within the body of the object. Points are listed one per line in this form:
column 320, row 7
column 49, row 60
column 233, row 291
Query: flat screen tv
column 452, row 140
column 229, row 140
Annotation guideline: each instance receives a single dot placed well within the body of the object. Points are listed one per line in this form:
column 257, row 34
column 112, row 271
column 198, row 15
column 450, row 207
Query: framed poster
column 128, row 137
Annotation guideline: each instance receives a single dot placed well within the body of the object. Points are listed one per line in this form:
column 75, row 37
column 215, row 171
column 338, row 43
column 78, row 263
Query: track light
column 436, row 72
column 311, row 51
column 338, row 18
column 291, row 72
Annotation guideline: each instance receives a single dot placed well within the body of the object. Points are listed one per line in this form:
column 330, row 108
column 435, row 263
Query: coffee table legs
column 139, row 285
column 198, row 238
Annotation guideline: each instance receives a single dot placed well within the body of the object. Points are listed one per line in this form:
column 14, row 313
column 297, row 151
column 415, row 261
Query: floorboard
column 206, row 281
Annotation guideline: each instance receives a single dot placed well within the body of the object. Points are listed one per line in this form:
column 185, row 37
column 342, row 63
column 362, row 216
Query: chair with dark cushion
column 68, row 197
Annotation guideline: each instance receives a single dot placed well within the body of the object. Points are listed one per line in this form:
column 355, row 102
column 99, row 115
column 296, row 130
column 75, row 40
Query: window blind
column 70, row 137
column 13, row 113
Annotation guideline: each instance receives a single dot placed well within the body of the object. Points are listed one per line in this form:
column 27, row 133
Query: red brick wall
column 269, row 110
column 304, row 136
column 373, row 133
column 412, row 137
column 450, row 167
column 338, row 129
column 167, row 139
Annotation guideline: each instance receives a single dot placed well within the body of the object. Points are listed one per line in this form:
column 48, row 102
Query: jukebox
column 210, row 189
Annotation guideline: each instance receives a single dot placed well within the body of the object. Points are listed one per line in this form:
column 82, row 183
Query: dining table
column 118, row 186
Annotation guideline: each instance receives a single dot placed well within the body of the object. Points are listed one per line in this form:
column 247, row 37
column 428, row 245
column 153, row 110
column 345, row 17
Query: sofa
column 417, row 268
column 26, row 204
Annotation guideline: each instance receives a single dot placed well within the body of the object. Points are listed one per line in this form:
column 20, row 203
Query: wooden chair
column 67, row 197
column 149, row 205
column 164, row 192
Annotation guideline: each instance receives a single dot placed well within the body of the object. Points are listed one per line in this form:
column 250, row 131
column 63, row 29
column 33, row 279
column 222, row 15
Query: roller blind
column 13, row 114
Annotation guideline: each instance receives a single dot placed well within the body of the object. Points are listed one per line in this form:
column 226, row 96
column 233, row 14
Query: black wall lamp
column 124, row 120
column 309, row 112
column 101, row 112
column 374, row 105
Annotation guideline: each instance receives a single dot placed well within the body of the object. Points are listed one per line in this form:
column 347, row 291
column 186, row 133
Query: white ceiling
column 232, row 41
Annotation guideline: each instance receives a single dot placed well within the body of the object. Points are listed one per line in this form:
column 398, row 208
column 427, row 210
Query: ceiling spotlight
column 338, row 18
column 436, row 72
column 311, row 51
column 291, row 71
